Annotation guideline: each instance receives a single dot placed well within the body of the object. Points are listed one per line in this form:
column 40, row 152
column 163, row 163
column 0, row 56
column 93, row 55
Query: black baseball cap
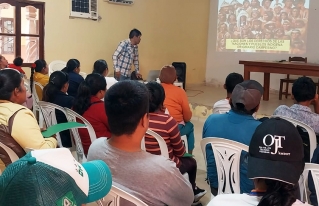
column 276, row 152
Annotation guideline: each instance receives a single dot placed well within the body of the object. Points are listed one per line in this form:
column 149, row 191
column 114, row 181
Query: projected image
column 277, row 26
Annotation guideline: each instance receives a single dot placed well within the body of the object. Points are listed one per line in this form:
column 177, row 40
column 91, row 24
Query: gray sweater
column 151, row 178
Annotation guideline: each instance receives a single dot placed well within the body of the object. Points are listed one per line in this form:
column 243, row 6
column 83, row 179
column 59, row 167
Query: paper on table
column 60, row 127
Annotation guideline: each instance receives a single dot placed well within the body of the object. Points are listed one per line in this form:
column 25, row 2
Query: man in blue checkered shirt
column 125, row 55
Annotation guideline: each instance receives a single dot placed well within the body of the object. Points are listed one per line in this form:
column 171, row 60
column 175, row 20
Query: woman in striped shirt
column 165, row 125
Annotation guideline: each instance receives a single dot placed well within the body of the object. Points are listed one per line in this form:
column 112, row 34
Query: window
column 22, row 30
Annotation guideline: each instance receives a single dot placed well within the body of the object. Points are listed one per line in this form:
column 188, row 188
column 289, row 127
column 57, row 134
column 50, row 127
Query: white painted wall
column 220, row 64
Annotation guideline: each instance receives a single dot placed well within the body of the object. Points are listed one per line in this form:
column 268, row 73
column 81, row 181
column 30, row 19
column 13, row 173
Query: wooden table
column 268, row 67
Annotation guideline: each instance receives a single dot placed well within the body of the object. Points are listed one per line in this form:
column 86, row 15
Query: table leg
column 246, row 73
column 266, row 86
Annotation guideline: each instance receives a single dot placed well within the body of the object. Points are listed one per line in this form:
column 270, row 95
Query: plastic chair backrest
column 227, row 157
column 48, row 111
column 72, row 116
column 310, row 131
column 56, row 66
column 34, row 91
column 161, row 142
column 11, row 154
column 313, row 169
column 184, row 139
column 113, row 198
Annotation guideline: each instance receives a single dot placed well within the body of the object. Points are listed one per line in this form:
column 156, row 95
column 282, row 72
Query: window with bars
column 22, row 30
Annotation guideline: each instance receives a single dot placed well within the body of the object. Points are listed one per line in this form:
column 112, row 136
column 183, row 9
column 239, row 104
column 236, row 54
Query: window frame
column 18, row 4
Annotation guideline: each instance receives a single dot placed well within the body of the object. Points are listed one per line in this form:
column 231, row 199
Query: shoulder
column 99, row 143
column 280, row 109
column 234, row 199
column 222, row 103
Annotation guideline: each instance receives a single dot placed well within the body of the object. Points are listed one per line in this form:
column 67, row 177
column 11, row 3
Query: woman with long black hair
column 25, row 129
column 55, row 92
column 100, row 67
column 75, row 79
column 88, row 103
column 39, row 73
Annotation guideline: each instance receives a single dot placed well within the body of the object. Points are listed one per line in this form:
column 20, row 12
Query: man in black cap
column 275, row 163
column 238, row 125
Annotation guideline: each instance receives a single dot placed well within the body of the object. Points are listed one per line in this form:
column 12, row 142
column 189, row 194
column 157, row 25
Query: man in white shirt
column 223, row 106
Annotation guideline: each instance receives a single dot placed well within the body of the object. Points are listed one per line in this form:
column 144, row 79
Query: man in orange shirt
column 177, row 104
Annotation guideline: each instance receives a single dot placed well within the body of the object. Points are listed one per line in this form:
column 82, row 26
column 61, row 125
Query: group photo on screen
column 277, row 26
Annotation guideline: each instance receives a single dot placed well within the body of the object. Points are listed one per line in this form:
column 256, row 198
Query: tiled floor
column 202, row 98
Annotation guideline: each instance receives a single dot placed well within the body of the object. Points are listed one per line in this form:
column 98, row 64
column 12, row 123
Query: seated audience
column 304, row 95
column 88, row 103
column 274, row 169
column 17, row 63
column 75, row 79
column 100, row 67
column 151, row 178
column 54, row 177
column 25, row 129
column 165, row 125
column 177, row 104
column 238, row 125
column 39, row 73
column 55, row 92
column 231, row 81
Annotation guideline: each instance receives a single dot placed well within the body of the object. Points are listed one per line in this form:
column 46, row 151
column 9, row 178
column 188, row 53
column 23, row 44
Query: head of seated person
column 40, row 67
column 157, row 97
column 127, row 105
column 231, row 81
column 275, row 148
column 304, row 91
column 100, row 67
column 168, row 74
column 246, row 96
column 94, row 85
column 54, row 177
column 12, row 87
column 58, row 82
column 73, row 65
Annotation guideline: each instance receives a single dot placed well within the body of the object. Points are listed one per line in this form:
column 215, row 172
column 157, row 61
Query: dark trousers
column 189, row 165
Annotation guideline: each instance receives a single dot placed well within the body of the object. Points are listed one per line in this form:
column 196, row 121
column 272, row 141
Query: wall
column 220, row 64
column 172, row 30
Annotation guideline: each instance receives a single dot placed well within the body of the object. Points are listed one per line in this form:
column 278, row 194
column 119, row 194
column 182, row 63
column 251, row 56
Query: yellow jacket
column 25, row 129
column 43, row 80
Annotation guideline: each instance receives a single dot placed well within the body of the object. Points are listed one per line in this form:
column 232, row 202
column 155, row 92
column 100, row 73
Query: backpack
column 7, row 140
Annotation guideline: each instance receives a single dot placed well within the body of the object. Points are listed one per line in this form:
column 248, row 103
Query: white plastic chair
column 312, row 169
column 12, row 155
column 113, row 198
column 48, row 111
column 184, row 139
column 309, row 130
column 35, row 102
column 56, row 65
column 227, row 157
column 72, row 116
column 160, row 140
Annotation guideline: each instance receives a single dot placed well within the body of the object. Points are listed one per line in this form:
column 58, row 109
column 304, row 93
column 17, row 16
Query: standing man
column 126, row 54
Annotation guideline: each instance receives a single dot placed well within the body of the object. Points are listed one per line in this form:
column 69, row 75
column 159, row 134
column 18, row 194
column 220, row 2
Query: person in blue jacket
column 238, row 125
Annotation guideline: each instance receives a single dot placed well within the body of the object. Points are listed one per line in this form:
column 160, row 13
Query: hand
column 117, row 74
column 139, row 76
